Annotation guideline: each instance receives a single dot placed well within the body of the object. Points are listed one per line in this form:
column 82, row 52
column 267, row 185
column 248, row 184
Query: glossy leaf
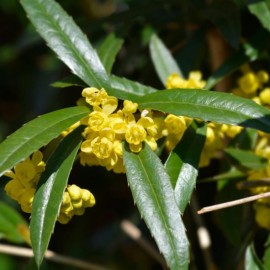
column 108, row 50
column 250, row 51
column 66, row 39
column 182, row 164
column 49, row 195
column 12, row 225
column 247, row 159
column 261, row 9
column 209, row 106
column 37, row 133
column 162, row 59
column 152, row 192
column 252, row 261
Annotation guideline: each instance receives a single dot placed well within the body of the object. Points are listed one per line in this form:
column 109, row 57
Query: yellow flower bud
column 262, row 215
column 265, row 96
column 249, row 83
column 263, row 76
column 129, row 107
column 75, row 192
column 175, row 124
column 88, row 198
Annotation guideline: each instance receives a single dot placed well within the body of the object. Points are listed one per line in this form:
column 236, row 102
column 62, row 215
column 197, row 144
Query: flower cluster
column 23, row 185
column 107, row 127
column 215, row 133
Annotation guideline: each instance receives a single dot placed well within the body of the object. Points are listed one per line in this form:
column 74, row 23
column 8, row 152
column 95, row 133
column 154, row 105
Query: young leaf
column 261, row 10
column 209, row 106
column 37, row 133
column 163, row 61
column 182, row 164
column 246, row 159
column 12, row 225
column 66, row 39
column 49, row 195
column 153, row 194
column 69, row 81
column 108, row 50
column 252, row 262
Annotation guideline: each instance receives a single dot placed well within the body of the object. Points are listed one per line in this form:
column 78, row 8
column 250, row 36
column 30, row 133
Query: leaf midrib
column 159, row 206
column 64, row 35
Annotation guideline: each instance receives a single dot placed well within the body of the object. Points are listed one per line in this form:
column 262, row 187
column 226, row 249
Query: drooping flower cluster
column 23, row 185
column 107, row 127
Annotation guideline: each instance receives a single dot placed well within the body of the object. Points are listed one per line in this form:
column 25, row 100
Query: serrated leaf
column 49, row 195
column 37, row 133
column 245, row 158
column 252, row 261
column 250, row 51
column 261, row 9
column 182, row 164
column 208, row 106
column 152, row 192
column 66, row 39
column 108, row 50
column 12, row 225
column 162, row 59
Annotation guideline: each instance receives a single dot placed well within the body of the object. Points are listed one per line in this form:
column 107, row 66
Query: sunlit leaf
column 209, row 106
column 49, row 195
column 66, row 39
column 152, row 192
column 37, row 133
column 252, row 261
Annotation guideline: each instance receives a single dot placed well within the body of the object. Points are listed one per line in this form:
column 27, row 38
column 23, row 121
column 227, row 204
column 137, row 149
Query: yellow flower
column 94, row 96
column 135, row 134
column 175, row 124
column 102, row 147
column 265, row 96
column 26, row 200
column 249, row 83
column 129, row 107
column 98, row 121
column 262, row 215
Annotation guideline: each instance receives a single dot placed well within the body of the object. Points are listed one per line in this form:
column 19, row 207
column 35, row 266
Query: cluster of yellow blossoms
column 23, row 185
column 215, row 133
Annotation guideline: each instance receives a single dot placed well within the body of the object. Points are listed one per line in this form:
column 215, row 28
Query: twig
column 233, row 203
column 49, row 255
column 134, row 232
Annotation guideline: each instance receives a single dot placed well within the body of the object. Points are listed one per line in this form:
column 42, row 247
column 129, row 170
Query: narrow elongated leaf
column 66, row 39
column 209, row 106
column 12, row 225
column 69, row 81
column 130, row 87
column 246, row 159
column 262, row 11
column 49, row 195
column 37, row 133
column 163, row 61
column 182, row 164
column 153, row 194
column 252, row 262
column 108, row 50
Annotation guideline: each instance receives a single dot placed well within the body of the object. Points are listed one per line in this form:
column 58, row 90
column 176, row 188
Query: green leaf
column 252, row 261
column 153, row 194
column 69, row 81
column 208, row 106
column 37, row 133
column 261, row 9
column 163, row 61
column 266, row 255
column 66, row 39
column 182, row 164
column 250, row 51
column 245, row 140
column 130, row 88
column 246, row 159
column 49, row 195
column 108, row 50
column 12, row 225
